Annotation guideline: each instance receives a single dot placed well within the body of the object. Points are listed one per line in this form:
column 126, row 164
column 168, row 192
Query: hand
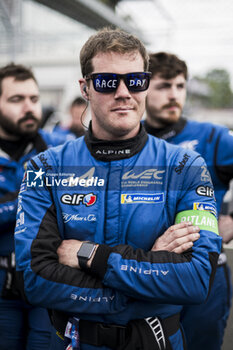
column 177, row 238
column 67, row 252
column 225, row 226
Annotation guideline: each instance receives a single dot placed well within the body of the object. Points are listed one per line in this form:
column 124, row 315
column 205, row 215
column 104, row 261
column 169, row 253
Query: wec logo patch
column 145, row 175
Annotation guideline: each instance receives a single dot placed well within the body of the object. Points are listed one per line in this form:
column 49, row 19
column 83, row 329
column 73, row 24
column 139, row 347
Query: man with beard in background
column 21, row 325
column 203, row 324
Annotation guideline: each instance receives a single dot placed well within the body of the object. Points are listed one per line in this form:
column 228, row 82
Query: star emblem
column 38, row 174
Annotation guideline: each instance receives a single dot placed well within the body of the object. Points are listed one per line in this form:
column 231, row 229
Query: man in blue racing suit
column 203, row 324
column 21, row 325
column 111, row 242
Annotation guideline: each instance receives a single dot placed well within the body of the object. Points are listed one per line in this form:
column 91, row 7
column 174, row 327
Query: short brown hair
column 167, row 65
column 78, row 101
column 110, row 40
column 17, row 71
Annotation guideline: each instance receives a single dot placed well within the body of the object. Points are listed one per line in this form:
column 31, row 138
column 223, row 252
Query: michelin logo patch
column 127, row 198
column 205, row 206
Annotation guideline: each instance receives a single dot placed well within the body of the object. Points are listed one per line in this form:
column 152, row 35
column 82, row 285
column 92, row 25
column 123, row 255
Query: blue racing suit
column 122, row 195
column 204, row 324
column 65, row 131
column 21, row 326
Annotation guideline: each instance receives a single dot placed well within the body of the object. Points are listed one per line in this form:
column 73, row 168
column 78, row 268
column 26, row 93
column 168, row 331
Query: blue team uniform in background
column 215, row 144
column 21, row 325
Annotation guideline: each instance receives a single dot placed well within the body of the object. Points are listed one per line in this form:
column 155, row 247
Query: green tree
column 218, row 81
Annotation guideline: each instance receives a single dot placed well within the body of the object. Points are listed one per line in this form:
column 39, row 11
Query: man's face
column 20, row 109
column 165, row 100
column 116, row 115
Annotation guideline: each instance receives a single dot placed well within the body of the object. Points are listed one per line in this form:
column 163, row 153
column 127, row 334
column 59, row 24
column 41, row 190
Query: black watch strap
column 82, row 262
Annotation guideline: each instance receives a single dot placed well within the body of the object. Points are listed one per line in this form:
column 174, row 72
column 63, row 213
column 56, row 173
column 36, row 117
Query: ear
column 84, row 88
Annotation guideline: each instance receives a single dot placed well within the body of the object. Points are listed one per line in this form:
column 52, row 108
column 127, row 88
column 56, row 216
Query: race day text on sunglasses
column 109, row 82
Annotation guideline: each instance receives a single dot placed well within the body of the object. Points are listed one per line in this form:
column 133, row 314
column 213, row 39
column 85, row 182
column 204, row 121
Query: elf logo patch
column 205, row 191
column 79, row 198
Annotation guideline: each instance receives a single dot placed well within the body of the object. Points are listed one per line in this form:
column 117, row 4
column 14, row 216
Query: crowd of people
column 111, row 235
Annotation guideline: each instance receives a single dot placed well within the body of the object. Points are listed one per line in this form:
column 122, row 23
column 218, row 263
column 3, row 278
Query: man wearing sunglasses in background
column 203, row 324
column 94, row 246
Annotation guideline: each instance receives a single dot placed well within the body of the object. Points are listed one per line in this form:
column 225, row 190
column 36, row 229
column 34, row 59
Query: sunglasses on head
column 109, row 82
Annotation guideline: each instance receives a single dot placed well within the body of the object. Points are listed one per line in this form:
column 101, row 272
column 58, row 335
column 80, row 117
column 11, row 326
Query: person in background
column 97, row 250
column 77, row 113
column 203, row 324
column 22, row 326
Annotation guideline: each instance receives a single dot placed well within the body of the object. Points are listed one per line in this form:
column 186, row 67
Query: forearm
column 226, row 227
column 48, row 282
column 161, row 276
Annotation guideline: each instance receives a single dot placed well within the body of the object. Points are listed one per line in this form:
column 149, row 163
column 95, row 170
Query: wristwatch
column 85, row 253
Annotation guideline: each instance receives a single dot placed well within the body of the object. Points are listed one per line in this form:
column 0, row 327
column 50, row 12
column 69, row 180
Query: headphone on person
column 85, row 90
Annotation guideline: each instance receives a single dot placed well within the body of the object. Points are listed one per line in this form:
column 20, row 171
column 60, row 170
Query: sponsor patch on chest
column 128, row 198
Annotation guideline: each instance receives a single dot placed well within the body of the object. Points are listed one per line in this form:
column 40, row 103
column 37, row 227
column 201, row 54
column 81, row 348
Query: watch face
column 86, row 250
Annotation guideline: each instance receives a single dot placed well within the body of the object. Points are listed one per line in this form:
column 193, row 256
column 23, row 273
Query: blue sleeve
column 54, row 139
column 47, row 282
column 167, row 277
column 223, row 157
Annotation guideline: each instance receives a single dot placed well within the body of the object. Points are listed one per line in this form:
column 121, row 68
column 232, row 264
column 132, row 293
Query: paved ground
column 228, row 339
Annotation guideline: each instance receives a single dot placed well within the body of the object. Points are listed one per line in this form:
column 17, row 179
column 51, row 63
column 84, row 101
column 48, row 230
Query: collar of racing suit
column 167, row 132
column 15, row 149
column 115, row 150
